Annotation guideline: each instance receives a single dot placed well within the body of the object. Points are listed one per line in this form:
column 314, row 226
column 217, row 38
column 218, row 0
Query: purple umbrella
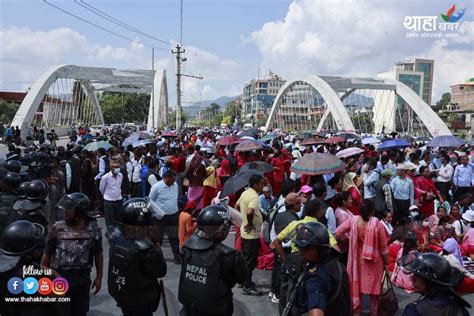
column 445, row 141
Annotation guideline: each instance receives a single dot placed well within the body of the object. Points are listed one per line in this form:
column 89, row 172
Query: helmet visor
column 411, row 262
column 302, row 236
column 154, row 209
column 66, row 203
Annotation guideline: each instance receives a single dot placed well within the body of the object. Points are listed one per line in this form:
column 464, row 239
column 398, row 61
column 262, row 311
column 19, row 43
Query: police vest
column 128, row 283
column 75, row 247
column 6, row 207
column 430, row 307
column 200, row 285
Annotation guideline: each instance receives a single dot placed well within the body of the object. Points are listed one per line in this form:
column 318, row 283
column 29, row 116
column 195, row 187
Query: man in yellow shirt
column 250, row 229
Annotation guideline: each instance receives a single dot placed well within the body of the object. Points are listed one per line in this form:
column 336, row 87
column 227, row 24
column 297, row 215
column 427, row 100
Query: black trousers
column 100, row 197
column 276, row 281
column 250, row 249
column 169, row 225
column 79, row 289
column 112, row 210
column 145, row 310
column 400, row 210
column 136, row 189
column 443, row 188
column 460, row 192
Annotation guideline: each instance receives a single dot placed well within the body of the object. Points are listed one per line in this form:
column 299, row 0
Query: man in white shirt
column 111, row 188
column 136, row 180
column 445, row 174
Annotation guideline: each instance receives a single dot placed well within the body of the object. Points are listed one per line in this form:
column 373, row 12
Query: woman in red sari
column 429, row 191
column 278, row 173
column 351, row 188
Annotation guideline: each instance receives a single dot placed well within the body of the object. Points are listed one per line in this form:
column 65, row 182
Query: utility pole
column 152, row 91
column 179, row 61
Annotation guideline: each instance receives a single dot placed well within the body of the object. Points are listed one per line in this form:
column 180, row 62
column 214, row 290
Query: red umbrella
column 312, row 141
column 334, row 139
column 228, row 140
column 248, row 145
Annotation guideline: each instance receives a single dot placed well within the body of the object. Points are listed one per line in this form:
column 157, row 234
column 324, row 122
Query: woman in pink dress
column 350, row 186
column 399, row 277
column 368, row 256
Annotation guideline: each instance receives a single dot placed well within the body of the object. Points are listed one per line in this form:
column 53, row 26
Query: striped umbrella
column 314, row 164
column 248, row 145
column 445, row 141
column 312, row 141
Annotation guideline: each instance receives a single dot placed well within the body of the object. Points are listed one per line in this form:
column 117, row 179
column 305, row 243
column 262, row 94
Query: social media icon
column 15, row 285
column 30, row 285
column 60, row 286
column 45, row 286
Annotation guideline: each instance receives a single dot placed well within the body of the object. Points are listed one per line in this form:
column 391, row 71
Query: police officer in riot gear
column 13, row 166
column 73, row 246
column 135, row 260
column 323, row 286
column 21, row 246
column 210, row 269
column 432, row 278
column 20, row 195
column 8, row 197
column 31, row 208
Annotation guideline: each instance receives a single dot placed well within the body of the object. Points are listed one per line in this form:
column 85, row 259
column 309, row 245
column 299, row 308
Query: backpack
column 268, row 222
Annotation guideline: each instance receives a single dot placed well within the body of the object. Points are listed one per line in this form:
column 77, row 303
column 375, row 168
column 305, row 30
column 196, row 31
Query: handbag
column 388, row 303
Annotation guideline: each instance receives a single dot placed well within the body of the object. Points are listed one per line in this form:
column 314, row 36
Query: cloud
column 357, row 38
column 25, row 54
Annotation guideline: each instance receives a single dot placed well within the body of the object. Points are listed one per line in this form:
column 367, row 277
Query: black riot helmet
column 12, row 180
column 213, row 223
column 311, row 233
column 77, row 201
column 13, row 166
column 429, row 266
column 140, row 212
column 37, row 190
column 21, row 237
column 22, row 189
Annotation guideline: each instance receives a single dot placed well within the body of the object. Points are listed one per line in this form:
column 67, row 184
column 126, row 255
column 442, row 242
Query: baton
column 165, row 304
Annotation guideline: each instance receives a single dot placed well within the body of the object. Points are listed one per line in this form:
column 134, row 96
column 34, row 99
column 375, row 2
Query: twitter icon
column 30, row 285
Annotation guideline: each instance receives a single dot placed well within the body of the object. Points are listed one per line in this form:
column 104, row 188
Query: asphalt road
column 102, row 304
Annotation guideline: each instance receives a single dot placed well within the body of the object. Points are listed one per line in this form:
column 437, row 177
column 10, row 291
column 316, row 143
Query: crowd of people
column 330, row 239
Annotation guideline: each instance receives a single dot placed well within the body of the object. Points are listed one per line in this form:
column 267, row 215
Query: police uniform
column 72, row 252
column 134, row 266
column 326, row 287
column 208, row 273
column 7, row 200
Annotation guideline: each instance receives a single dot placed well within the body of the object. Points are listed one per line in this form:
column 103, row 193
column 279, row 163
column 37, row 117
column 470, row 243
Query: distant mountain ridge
column 192, row 110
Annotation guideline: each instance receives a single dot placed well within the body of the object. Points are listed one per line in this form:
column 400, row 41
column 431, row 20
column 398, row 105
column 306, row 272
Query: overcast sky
column 231, row 42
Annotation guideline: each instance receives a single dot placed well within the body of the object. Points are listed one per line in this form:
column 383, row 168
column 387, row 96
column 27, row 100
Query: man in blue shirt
column 462, row 178
column 266, row 201
column 165, row 195
column 403, row 194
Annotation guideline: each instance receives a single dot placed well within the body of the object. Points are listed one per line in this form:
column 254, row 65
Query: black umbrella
column 237, row 182
column 252, row 132
column 305, row 134
column 257, row 166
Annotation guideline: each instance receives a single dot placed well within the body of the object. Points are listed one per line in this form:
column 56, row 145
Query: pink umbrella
column 228, row 140
column 312, row 141
column 349, row 152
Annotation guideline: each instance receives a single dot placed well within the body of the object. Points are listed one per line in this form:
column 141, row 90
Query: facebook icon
column 15, row 285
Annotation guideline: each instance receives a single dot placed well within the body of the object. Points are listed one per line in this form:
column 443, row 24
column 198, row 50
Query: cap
column 305, row 189
column 386, row 173
column 410, row 166
column 468, row 216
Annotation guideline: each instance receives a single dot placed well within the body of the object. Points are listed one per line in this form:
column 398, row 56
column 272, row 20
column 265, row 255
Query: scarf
column 353, row 265
column 349, row 181
column 370, row 248
column 451, row 246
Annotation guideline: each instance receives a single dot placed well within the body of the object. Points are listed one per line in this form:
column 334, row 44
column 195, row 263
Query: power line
column 100, row 27
column 116, row 21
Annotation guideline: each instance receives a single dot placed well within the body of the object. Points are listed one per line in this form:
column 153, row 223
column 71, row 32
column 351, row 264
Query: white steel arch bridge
column 67, row 94
column 368, row 105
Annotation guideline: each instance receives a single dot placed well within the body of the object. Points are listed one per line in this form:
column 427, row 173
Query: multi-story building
column 258, row 94
column 462, row 96
column 425, row 66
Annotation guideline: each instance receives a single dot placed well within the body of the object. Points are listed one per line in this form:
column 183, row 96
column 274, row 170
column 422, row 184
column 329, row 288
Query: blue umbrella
column 370, row 140
column 445, row 141
column 393, row 144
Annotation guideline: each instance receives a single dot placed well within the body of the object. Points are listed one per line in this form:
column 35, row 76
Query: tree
column 233, row 110
column 173, row 118
column 7, row 111
column 124, row 107
column 227, row 120
column 445, row 100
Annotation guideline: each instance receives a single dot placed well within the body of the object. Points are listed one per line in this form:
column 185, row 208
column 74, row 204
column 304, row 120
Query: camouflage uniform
column 72, row 251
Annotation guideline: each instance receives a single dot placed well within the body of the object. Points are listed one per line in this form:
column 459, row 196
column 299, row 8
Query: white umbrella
column 370, row 140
